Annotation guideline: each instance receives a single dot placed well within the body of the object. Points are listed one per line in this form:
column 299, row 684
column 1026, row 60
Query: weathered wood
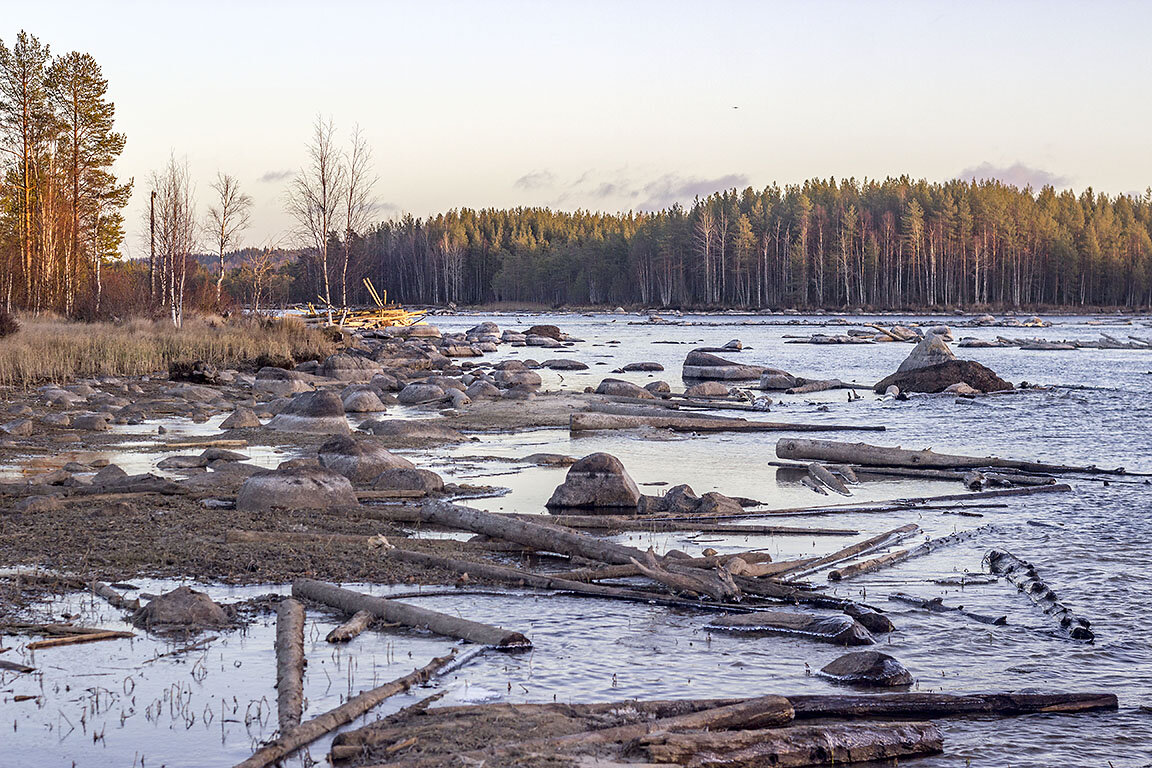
column 809, row 387
column 718, row 584
column 620, row 523
column 591, row 422
column 926, row 473
column 822, row 474
column 1023, row 574
column 12, row 666
column 235, row 536
column 289, row 663
column 795, row 745
column 840, row 629
column 921, row 705
column 410, row 615
column 870, row 544
column 221, row 443
column 873, row 455
column 936, row 605
column 307, row 732
column 892, row 558
column 87, row 637
column 114, row 597
column 359, row 622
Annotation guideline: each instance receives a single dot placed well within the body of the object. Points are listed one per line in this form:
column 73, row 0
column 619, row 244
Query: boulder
column 621, row 388
column 937, row 378
column 358, row 459
column 363, row 401
column 241, row 418
column 281, row 382
column 486, row 328
column 658, row 387
column 416, row 394
column 405, row 432
column 717, row 504
column 678, row 500
column 704, row 365
column 458, row 399
column 772, row 380
column 18, row 428
column 344, row 366
column 408, row 479
column 420, row 331
column 933, row 350
column 296, row 488
column 547, row 331
column 562, row 364
column 317, row 413
column 482, row 389
column 183, row 608
column 596, row 481
column 517, row 378
column 542, row 341
column 707, row 389
column 868, row 668
column 93, row 422
column 640, row 367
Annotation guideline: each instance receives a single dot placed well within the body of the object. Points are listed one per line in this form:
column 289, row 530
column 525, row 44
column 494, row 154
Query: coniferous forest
column 896, row 243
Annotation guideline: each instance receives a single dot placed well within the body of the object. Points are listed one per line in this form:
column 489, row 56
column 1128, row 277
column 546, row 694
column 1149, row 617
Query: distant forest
column 879, row 244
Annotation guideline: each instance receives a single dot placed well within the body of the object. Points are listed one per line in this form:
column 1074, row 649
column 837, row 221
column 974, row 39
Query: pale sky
column 616, row 105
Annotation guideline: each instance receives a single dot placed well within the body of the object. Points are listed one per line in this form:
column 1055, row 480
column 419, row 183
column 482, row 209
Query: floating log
column 885, row 539
column 795, row 745
column 936, row 605
column 874, row 455
column 359, row 622
column 899, row 556
column 841, row 629
column 925, row 473
column 289, row 663
column 409, row 615
column 591, row 422
column 822, row 474
column 87, row 637
column 313, row 729
column 921, row 705
column 1023, row 575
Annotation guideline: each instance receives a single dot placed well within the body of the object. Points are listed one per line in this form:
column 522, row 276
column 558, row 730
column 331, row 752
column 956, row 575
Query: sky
column 615, row 105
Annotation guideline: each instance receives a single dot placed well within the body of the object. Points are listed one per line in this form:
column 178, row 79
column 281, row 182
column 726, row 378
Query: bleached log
column 289, row 663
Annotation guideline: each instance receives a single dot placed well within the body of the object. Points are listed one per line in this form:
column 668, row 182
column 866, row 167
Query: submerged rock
column 598, row 480
column 319, row 413
column 640, row 367
column 182, row 608
column 413, row 431
column 296, row 488
column 870, row 668
column 359, row 459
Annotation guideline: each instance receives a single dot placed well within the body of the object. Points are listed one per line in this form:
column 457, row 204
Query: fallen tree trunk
column 289, row 663
column 795, row 745
column 885, row 539
column 1023, row 575
column 921, row 705
column 873, row 455
column 309, row 731
column 822, row 474
column 840, row 630
column 235, row 536
column 410, row 615
column 359, row 622
column 114, row 597
column 927, row 473
column 815, row 386
column 619, row 523
column 718, row 584
column 936, row 605
column 867, row 566
column 592, row 422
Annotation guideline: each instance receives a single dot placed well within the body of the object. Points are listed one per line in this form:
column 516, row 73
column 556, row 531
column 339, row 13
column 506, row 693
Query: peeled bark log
column 410, row 615
column 920, row 705
column 874, row 455
column 892, row 558
column 591, row 422
column 796, row 745
column 351, row 628
column 875, row 542
column 313, row 729
column 1023, row 575
column 289, row 663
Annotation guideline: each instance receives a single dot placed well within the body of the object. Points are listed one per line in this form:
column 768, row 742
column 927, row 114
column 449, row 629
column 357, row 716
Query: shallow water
column 210, row 707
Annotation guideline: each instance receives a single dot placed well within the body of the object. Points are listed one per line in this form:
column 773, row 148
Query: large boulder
column 281, row 382
column 417, row 394
column 868, row 668
column 939, row 377
column 933, row 350
column 348, row 367
column 295, row 488
column 597, row 481
column 317, row 413
column 704, row 365
column 408, row 479
column 547, row 331
column 241, row 418
column 181, row 609
column 621, row 388
column 359, row 459
column 362, row 401
column 518, row 378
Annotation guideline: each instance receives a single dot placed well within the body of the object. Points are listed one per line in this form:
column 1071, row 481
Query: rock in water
column 873, row 621
column 598, row 480
column 937, row 378
column 870, row 668
column 295, row 488
column 318, row 413
column 241, row 418
column 363, row 401
column 183, row 608
column 408, row 480
column 416, row 394
column 359, row 459
column 841, row 630
column 547, row 331
column 933, row 350
column 704, row 365
column 619, row 387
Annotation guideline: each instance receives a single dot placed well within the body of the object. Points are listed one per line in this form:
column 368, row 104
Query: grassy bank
column 56, row 350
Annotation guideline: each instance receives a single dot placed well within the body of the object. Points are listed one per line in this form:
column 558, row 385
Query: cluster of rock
column 932, row 367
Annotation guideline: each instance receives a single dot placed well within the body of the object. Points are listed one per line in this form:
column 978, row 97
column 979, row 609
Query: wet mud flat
column 708, row 597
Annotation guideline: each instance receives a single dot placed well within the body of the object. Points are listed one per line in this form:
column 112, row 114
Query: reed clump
column 50, row 349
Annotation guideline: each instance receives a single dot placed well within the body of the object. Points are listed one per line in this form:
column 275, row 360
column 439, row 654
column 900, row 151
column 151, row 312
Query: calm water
column 209, row 708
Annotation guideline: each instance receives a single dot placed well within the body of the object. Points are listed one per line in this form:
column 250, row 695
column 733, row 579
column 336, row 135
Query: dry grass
column 51, row 349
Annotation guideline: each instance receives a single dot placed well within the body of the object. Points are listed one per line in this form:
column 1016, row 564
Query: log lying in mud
column 87, row 637
column 840, row 630
column 359, row 622
column 921, row 705
column 795, row 745
column 114, row 597
column 410, row 615
column 592, row 422
column 311, row 730
column 878, row 541
column 892, row 558
column 289, row 663
column 864, row 454
column 1023, row 575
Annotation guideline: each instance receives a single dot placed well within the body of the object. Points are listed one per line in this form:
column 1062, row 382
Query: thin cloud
column 271, row 176
column 1017, row 174
column 536, row 180
column 672, row 188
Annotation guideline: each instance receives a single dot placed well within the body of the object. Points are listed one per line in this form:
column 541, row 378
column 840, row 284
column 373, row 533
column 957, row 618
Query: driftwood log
column 359, row 622
column 87, row 637
column 289, row 663
column 1023, row 575
column 410, row 615
column 921, row 705
column 936, row 605
column 892, row 558
column 840, row 629
column 870, row 544
column 592, row 422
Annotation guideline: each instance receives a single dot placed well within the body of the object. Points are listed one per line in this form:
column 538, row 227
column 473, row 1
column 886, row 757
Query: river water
column 98, row 705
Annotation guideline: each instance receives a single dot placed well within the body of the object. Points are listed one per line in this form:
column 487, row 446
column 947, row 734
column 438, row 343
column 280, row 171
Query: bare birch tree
column 175, row 232
column 315, row 198
column 360, row 204
column 228, row 216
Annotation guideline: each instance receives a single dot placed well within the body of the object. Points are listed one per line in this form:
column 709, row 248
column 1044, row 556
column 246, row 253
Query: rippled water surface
column 98, row 705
